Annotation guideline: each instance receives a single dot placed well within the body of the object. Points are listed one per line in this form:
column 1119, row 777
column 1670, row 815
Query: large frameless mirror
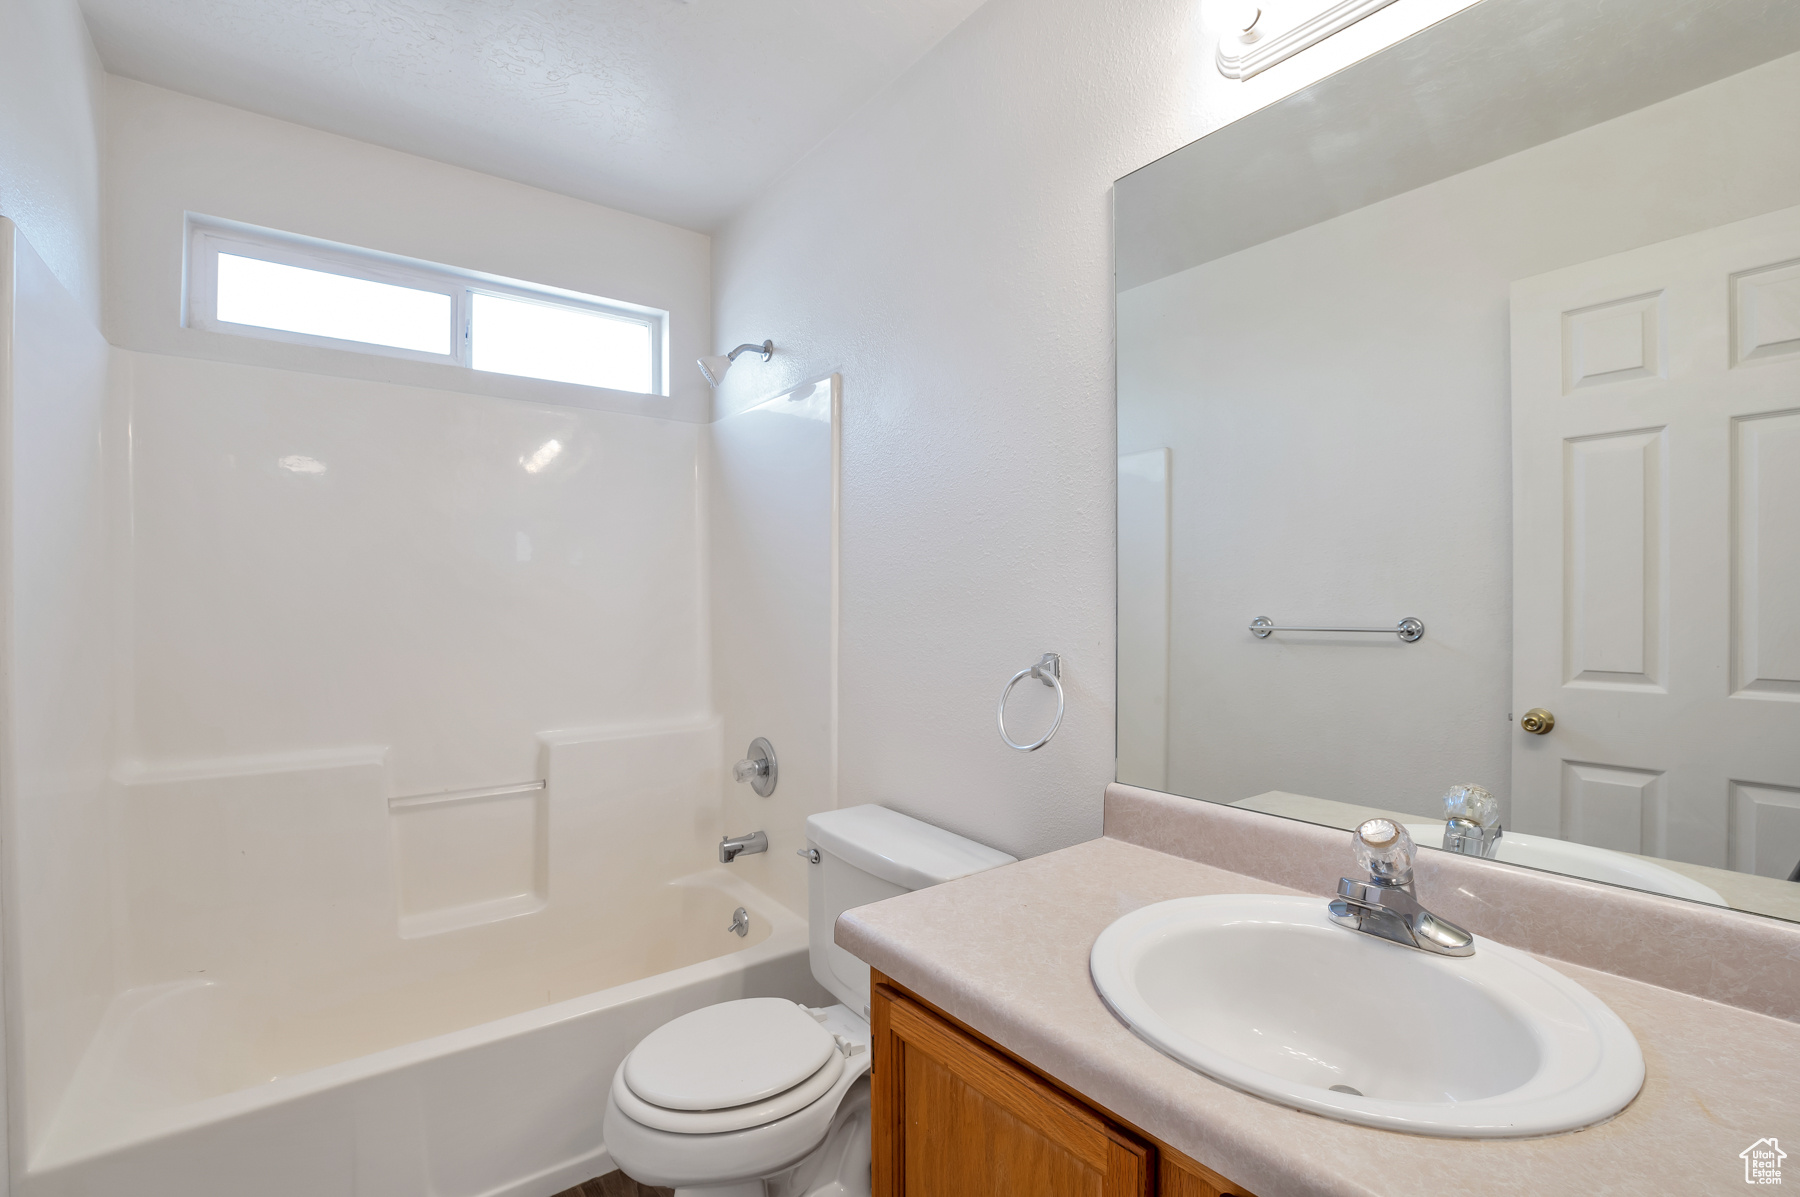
column 1459, row 448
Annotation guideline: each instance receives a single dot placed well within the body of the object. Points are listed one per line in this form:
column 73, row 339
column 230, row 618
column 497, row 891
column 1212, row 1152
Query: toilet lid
column 757, row 1113
column 728, row 1055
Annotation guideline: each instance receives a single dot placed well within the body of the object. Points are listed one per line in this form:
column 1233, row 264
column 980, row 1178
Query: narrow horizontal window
column 278, row 286
column 295, row 299
column 563, row 344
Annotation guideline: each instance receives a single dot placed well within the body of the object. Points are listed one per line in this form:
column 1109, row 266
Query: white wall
column 170, row 154
column 50, row 100
column 772, row 492
column 949, row 250
column 1338, row 405
column 333, row 554
column 58, row 661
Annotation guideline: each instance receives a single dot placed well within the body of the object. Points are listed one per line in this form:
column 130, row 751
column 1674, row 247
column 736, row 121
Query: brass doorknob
column 1538, row 721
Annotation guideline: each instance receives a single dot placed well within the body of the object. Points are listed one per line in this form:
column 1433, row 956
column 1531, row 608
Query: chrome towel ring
column 1049, row 671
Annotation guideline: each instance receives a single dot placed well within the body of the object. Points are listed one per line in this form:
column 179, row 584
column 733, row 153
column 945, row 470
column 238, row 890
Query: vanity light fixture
column 1245, row 21
column 714, row 367
column 1253, row 40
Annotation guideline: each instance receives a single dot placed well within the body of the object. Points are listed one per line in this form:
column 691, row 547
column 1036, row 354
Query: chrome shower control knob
column 758, row 767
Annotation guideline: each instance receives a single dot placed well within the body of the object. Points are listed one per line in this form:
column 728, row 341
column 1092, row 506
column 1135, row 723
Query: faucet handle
column 1385, row 905
column 1383, row 847
column 758, row 767
column 1471, row 821
column 1472, row 802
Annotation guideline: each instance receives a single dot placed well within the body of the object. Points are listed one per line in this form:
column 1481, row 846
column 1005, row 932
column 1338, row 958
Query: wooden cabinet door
column 1183, row 1177
column 955, row 1118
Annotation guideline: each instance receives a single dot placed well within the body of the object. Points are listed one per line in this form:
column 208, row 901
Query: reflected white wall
column 1144, row 618
column 1345, row 454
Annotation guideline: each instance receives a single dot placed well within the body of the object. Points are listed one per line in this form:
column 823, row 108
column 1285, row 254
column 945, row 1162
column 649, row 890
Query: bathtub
column 193, row 1090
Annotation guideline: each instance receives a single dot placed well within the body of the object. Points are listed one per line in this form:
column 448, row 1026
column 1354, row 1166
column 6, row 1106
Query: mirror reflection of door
column 1656, row 561
column 1522, row 362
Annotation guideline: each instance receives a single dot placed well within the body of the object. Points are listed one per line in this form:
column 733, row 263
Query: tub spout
column 734, row 846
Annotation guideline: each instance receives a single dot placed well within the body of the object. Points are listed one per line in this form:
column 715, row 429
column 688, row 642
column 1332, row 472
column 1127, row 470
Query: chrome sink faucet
column 1471, row 821
column 1385, row 905
column 734, row 846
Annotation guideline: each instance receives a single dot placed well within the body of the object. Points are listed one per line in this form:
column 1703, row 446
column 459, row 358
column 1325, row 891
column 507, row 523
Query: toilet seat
column 728, row 1067
column 655, row 1157
column 712, row 1122
column 729, row 1055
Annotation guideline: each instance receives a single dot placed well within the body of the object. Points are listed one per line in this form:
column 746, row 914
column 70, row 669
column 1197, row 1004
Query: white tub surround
column 58, row 439
column 509, row 1107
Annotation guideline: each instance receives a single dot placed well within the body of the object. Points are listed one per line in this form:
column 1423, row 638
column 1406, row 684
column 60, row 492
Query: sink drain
column 1347, row 1089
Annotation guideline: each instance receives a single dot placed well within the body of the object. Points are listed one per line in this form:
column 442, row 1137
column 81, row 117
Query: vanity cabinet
column 954, row 1116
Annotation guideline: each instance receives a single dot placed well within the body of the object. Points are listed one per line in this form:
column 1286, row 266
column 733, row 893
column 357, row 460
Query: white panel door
column 1656, row 548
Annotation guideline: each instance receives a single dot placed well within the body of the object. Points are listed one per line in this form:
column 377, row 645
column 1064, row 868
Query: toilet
column 763, row 1097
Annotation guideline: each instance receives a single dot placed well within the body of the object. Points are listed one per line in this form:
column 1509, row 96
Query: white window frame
column 208, row 237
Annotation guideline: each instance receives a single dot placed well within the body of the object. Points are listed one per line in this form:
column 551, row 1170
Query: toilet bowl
column 745, row 1097
column 763, row 1097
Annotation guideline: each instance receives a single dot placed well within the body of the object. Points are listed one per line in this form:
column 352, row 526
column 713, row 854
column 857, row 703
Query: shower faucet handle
column 758, row 767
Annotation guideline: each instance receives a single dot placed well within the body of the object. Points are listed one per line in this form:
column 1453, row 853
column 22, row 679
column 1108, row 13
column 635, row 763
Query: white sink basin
column 1264, row 993
column 1582, row 860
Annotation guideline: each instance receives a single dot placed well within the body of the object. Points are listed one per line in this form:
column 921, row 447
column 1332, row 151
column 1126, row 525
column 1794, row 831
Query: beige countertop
column 1007, row 953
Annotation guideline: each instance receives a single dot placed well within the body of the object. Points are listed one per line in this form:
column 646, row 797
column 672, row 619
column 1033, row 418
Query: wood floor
column 614, row 1184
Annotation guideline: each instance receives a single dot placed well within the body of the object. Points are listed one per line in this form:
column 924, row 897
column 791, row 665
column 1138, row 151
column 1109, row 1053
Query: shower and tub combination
column 333, row 1042
column 372, row 751
column 488, row 1078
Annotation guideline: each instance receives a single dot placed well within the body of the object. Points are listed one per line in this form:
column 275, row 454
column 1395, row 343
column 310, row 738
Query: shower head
column 714, row 367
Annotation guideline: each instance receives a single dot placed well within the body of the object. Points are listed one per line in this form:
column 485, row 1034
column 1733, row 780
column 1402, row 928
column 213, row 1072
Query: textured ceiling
column 677, row 110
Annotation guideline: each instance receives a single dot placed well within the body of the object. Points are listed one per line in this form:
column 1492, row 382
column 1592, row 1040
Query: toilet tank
column 867, row 853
